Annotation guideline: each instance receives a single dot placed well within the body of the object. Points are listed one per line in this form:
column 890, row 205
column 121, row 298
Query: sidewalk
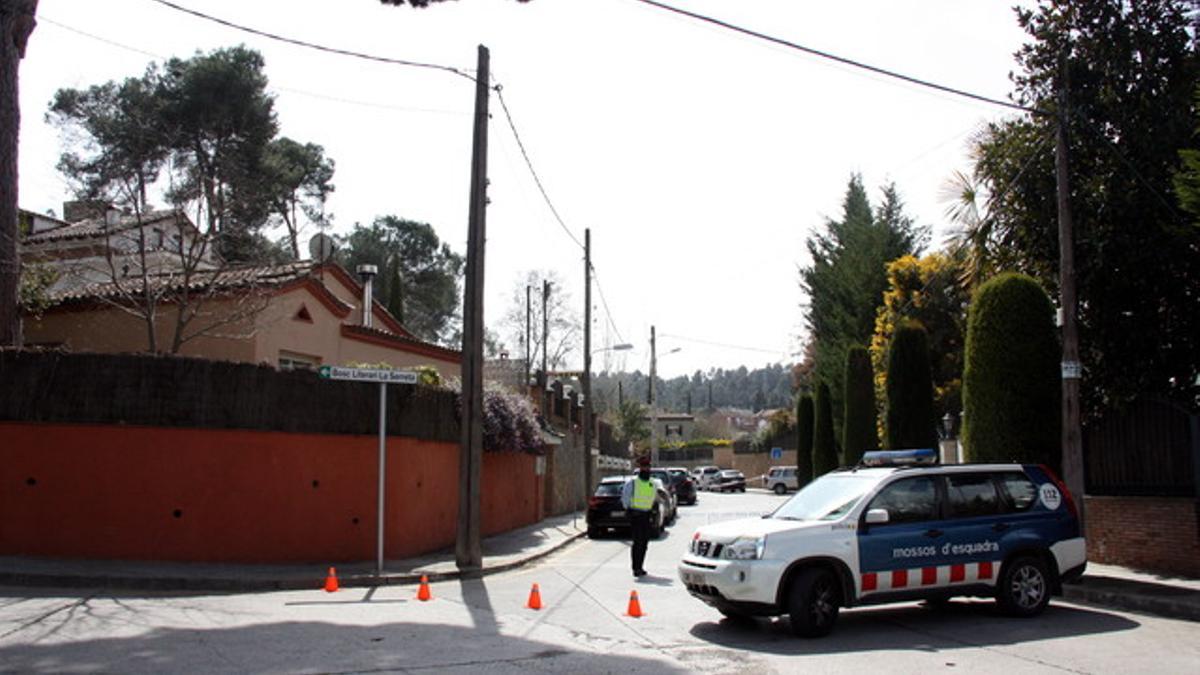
column 1104, row 585
column 500, row 553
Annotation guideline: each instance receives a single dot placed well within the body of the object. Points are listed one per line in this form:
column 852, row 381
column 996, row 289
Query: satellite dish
column 321, row 247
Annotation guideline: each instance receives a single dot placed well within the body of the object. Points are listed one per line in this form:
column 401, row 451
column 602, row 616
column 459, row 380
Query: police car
column 898, row 527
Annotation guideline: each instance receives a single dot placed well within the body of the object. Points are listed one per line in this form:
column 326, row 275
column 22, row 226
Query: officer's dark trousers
column 639, row 524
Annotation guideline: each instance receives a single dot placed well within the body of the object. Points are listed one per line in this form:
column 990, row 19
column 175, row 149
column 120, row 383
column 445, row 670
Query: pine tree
column 804, row 439
column 825, row 454
column 858, row 433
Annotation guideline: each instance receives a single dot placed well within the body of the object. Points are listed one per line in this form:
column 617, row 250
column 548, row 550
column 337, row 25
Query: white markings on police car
column 986, row 546
column 1049, row 496
column 914, row 552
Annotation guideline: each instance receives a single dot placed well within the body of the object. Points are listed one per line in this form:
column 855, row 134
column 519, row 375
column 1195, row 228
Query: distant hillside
column 769, row 387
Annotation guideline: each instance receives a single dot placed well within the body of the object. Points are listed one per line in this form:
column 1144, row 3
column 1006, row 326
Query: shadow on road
column 315, row 647
column 971, row 624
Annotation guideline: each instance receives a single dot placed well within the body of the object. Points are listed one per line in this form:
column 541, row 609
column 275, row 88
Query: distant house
column 673, row 426
column 294, row 315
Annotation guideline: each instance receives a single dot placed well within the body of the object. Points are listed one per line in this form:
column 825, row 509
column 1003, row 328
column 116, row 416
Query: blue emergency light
column 899, row 457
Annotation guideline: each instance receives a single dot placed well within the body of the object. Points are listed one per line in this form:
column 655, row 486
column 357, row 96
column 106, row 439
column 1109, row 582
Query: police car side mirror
column 877, row 516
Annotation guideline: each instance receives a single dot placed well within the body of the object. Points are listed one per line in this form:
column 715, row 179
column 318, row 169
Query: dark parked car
column 605, row 511
column 685, row 488
column 729, row 480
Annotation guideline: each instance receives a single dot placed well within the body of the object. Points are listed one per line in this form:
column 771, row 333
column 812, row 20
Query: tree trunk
column 16, row 24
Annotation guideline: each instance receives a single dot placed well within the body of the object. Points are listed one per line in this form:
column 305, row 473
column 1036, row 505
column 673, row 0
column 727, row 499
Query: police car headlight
column 746, row 549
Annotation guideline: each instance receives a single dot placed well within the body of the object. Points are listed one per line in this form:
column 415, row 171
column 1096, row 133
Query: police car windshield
column 826, row 498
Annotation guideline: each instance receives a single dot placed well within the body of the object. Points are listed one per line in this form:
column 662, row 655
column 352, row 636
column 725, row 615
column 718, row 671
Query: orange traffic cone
column 635, row 607
column 331, row 584
column 423, row 593
column 535, row 598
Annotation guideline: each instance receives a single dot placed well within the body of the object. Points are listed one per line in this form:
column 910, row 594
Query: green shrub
column 911, row 422
column 804, row 439
column 858, row 427
column 825, row 455
column 1011, row 379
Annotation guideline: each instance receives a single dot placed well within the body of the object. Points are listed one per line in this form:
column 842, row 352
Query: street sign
column 368, row 375
column 776, row 453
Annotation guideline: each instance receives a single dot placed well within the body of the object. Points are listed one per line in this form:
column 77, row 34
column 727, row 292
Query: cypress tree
column 804, row 440
column 1011, row 378
column 825, row 456
column 858, row 431
column 911, row 422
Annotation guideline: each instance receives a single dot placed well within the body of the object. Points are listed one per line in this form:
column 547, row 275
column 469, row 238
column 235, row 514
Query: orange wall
column 112, row 492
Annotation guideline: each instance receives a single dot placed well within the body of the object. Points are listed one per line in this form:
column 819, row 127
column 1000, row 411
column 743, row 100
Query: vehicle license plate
column 618, row 514
column 695, row 579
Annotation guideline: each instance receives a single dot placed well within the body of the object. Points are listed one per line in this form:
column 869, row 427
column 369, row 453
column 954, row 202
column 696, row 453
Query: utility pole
column 468, row 550
column 587, row 363
column 653, row 406
column 1072, row 446
column 528, row 335
column 545, row 333
column 620, row 394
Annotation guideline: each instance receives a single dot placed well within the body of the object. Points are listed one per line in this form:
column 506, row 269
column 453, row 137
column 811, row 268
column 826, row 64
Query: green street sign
column 368, row 375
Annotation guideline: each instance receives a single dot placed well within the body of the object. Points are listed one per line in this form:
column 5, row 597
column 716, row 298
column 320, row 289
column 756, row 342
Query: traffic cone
column 535, row 598
column 423, row 593
column 635, row 607
column 331, row 584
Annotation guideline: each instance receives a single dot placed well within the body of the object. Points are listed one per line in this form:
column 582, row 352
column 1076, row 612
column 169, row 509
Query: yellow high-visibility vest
column 643, row 495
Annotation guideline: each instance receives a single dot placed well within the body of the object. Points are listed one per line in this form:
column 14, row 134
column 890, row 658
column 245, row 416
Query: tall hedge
column 804, row 440
column 911, row 422
column 825, row 456
column 858, row 426
column 1011, row 379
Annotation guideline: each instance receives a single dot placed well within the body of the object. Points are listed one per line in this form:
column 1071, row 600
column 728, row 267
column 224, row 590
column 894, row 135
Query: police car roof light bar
column 899, row 457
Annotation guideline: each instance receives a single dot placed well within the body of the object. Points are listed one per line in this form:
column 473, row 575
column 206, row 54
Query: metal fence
column 1151, row 447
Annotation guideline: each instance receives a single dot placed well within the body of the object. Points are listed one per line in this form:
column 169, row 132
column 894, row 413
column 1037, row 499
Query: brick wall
column 1154, row 534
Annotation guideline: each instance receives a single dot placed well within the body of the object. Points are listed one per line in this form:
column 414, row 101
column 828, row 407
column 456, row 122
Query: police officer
column 637, row 496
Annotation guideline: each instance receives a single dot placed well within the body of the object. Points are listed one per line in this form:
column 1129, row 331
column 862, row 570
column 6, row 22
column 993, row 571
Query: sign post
column 383, row 377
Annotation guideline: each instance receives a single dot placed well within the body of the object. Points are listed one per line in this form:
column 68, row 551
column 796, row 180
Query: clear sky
column 700, row 159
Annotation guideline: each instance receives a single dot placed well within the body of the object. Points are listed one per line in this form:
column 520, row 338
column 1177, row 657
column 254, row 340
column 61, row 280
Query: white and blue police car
column 897, row 527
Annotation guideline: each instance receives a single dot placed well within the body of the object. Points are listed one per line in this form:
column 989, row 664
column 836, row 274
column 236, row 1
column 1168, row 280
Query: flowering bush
column 509, row 421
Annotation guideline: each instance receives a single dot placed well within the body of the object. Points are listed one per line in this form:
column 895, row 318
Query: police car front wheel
column 813, row 603
column 1024, row 588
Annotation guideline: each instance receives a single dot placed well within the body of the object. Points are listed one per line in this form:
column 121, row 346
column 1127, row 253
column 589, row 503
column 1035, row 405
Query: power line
column 841, row 59
column 725, row 344
column 512, row 125
column 607, row 312
column 313, row 45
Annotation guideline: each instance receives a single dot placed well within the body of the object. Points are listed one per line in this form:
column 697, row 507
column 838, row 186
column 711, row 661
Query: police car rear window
column 1022, row 493
column 608, row 489
column 972, row 494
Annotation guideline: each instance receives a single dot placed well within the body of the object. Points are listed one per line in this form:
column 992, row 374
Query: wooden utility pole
column 468, row 550
column 17, row 21
column 653, row 405
column 528, row 335
column 1072, row 445
column 587, row 363
column 545, row 333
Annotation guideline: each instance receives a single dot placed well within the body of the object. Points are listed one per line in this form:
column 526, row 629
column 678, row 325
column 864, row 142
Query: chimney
column 366, row 273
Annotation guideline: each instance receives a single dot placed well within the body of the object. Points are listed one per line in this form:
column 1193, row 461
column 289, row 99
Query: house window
column 158, row 238
column 294, row 361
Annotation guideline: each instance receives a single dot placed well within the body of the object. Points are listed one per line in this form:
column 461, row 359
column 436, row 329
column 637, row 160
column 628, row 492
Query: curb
column 1134, row 597
column 243, row 585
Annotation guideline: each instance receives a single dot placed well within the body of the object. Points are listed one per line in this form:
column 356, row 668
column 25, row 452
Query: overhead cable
column 312, row 45
column 843, row 60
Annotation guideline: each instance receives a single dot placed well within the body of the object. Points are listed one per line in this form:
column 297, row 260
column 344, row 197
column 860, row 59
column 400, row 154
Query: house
column 673, row 426
column 293, row 315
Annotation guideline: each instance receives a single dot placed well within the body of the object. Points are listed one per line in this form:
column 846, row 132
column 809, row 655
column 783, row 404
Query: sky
column 700, row 159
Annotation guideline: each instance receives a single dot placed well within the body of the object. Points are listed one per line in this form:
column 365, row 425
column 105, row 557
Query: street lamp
column 653, row 400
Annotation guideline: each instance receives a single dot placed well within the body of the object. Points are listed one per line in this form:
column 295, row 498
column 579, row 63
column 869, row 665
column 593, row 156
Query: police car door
column 895, row 557
column 976, row 524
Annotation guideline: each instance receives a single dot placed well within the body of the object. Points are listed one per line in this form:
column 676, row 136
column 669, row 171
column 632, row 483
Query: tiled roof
column 96, row 227
column 230, row 277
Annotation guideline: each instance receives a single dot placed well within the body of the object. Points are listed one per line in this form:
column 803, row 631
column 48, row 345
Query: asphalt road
column 482, row 624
